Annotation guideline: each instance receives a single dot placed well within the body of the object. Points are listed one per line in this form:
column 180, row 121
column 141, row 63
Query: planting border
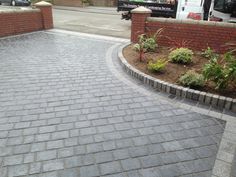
column 181, row 92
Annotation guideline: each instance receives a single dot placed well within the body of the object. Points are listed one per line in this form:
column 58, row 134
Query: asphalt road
column 92, row 22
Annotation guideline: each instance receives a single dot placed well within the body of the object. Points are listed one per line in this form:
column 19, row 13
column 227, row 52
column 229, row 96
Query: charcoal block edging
column 179, row 91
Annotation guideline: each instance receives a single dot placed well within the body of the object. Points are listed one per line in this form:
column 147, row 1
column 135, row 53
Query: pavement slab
column 66, row 110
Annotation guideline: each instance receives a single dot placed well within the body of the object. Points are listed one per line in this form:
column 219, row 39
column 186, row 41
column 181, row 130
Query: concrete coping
column 189, row 21
column 42, row 3
column 20, row 10
column 141, row 10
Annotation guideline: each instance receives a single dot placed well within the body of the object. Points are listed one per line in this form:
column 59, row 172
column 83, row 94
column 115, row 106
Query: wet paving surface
column 64, row 113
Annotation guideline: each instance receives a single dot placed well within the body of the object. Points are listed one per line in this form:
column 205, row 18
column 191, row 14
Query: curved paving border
column 179, row 91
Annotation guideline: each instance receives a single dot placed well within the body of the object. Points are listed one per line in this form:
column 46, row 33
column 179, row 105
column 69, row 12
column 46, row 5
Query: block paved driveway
column 64, row 112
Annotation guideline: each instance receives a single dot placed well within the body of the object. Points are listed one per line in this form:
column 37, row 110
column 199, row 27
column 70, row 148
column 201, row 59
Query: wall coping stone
column 21, row 10
column 42, row 3
column 141, row 10
column 179, row 91
column 200, row 22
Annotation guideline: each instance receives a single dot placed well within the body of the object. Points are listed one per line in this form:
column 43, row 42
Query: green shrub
column 147, row 43
column 181, row 55
column 150, row 44
column 157, row 66
column 144, row 44
column 219, row 72
column 209, row 53
column 139, row 47
column 192, row 79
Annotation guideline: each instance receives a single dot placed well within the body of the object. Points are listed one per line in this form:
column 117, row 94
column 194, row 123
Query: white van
column 223, row 10
column 186, row 7
column 214, row 10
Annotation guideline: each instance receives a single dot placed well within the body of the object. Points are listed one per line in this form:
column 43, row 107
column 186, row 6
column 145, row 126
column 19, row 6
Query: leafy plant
column 192, row 79
column 230, row 66
column 150, row 44
column 157, row 66
column 209, row 53
column 139, row 47
column 147, row 43
column 221, row 72
column 181, row 55
column 154, row 37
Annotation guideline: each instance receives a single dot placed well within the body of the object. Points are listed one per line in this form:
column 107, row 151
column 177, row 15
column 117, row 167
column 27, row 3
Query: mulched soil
column 173, row 71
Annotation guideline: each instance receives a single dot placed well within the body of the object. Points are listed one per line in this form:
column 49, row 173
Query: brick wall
column 199, row 34
column 46, row 13
column 19, row 21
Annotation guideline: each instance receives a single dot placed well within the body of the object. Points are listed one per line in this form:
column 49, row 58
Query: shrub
column 152, row 40
column 181, row 55
column 192, row 79
column 158, row 66
column 150, row 44
column 144, row 45
column 221, row 72
column 209, row 53
column 147, row 43
column 139, row 47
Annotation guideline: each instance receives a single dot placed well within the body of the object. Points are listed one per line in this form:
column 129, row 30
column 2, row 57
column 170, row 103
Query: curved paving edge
column 181, row 92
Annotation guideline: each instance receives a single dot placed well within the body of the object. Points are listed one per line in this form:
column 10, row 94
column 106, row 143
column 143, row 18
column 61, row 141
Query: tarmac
column 91, row 9
column 93, row 20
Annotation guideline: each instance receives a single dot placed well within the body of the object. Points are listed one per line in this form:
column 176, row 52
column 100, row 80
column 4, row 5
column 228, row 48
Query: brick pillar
column 46, row 11
column 138, row 18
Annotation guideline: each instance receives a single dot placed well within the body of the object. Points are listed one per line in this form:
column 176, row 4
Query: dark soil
column 173, row 71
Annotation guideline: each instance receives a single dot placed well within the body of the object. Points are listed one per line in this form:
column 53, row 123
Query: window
column 219, row 5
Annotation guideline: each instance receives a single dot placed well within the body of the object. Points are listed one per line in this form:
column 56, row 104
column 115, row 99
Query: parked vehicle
column 218, row 10
column 159, row 8
column 223, row 10
column 16, row 2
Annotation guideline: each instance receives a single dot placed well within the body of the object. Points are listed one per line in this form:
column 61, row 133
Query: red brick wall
column 47, row 19
column 138, row 25
column 20, row 22
column 199, row 34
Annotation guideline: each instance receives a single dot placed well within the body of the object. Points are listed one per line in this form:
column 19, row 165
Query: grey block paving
column 63, row 113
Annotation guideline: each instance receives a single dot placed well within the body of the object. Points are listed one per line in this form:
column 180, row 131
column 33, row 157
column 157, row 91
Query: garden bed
column 173, row 71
